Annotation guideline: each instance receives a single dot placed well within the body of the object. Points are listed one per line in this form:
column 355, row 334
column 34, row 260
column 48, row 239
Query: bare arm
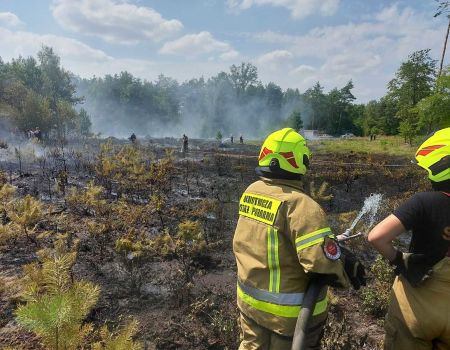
column 382, row 235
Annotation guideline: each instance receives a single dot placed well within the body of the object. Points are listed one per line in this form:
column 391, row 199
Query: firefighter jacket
column 279, row 239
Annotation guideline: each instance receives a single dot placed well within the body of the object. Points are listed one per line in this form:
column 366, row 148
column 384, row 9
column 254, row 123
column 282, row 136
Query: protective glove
column 353, row 268
column 414, row 267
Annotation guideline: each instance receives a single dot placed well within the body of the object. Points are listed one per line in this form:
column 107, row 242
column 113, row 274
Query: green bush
column 375, row 297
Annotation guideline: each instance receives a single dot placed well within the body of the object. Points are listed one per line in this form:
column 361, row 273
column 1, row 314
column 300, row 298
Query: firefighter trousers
column 255, row 337
column 419, row 318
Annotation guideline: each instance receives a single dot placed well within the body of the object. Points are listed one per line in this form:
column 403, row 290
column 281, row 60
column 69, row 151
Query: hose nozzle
column 347, row 233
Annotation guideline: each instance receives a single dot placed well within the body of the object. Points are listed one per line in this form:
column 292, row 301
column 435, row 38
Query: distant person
column 133, row 138
column 241, row 140
column 38, row 134
column 185, row 143
column 231, row 138
column 419, row 308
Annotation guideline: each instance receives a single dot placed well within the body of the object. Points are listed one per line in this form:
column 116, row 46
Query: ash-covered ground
column 183, row 298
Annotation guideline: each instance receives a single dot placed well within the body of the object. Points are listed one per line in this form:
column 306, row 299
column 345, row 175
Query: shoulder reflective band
column 290, row 311
column 313, row 238
column 293, row 299
column 273, row 259
column 258, row 207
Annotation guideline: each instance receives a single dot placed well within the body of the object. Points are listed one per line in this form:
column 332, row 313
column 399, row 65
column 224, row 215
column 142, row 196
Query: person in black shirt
column 419, row 309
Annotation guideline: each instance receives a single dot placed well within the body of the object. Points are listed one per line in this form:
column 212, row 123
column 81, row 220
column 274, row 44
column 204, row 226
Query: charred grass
column 153, row 228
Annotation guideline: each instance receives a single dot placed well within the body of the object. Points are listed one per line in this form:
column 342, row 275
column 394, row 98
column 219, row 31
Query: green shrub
column 375, row 297
column 55, row 304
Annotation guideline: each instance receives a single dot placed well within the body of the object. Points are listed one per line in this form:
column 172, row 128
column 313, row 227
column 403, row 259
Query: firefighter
column 185, row 145
column 419, row 307
column 282, row 240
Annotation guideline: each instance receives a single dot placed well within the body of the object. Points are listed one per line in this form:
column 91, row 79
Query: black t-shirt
column 427, row 214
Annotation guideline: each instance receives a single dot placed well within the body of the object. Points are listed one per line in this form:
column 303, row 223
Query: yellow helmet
column 289, row 148
column 434, row 156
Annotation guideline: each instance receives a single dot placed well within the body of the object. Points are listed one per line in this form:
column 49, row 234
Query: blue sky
column 294, row 43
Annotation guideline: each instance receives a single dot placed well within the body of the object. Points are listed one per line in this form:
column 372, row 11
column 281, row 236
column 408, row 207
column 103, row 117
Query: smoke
column 197, row 108
column 6, row 130
column 15, row 142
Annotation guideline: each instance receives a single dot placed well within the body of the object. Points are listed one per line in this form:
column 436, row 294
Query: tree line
column 40, row 93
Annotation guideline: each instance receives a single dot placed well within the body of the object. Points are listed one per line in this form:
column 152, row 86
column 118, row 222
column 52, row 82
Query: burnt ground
column 173, row 313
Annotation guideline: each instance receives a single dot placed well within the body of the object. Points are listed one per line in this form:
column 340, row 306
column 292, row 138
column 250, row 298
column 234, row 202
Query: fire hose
column 312, row 293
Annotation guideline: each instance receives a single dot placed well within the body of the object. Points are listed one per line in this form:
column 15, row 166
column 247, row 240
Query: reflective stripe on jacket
column 278, row 239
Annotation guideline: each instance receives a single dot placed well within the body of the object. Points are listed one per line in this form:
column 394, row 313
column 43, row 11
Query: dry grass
column 389, row 145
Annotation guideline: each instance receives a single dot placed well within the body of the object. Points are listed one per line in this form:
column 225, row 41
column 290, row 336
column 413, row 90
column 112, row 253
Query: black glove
column 353, row 268
column 414, row 267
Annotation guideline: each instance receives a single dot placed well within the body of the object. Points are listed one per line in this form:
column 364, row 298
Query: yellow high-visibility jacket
column 279, row 238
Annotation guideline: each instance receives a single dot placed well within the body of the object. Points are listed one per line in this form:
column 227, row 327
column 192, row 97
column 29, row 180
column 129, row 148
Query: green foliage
column 122, row 340
column 413, row 80
column 24, row 214
column 87, row 202
column 334, row 112
column 434, row 110
column 83, row 123
column 126, row 102
column 375, row 297
column 6, row 194
column 133, row 171
column 408, row 130
column 294, row 120
column 55, row 305
column 40, row 93
column 243, row 76
column 219, row 136
column 390, row 145
column 380, row 117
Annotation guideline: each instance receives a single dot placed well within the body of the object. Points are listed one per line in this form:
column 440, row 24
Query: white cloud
column 85, row 61
column 114, row 21
column 298, row 8
column 368, row 52
column 15, row 43
column 303, row 69
column 275, row 59
column 230, row 55
column 194, row 45
column 9, row 19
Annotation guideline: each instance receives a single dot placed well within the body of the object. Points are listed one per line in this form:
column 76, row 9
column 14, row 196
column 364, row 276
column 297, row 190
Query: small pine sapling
column 122, row 340
column 135, row 250
column 56, row 305
column 88, row 202
column 25, row 213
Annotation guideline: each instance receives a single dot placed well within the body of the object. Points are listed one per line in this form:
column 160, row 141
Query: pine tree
column 123, row 340
column 294, row 120
column 55, row 306
column 25, row 213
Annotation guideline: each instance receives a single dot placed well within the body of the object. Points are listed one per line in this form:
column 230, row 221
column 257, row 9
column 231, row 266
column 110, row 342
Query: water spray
column 369, row 209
